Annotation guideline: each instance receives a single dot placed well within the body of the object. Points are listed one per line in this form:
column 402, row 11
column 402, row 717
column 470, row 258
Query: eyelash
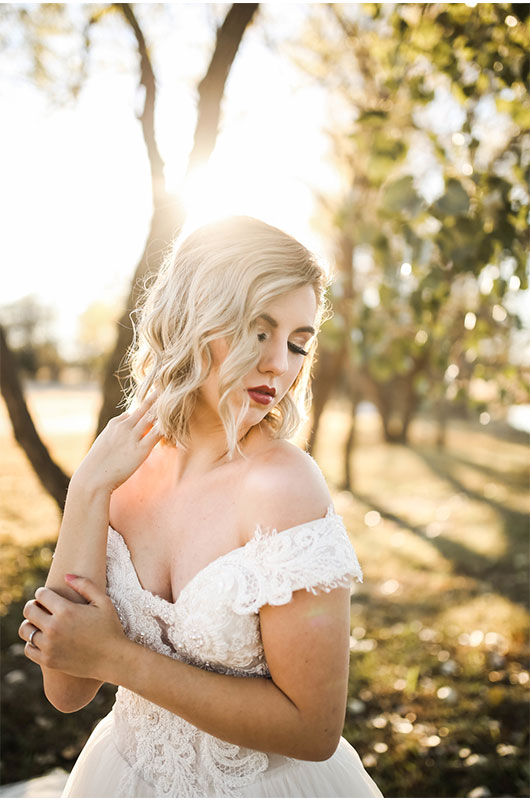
column 293, row 347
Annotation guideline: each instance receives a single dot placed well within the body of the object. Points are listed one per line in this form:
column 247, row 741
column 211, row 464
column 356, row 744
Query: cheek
column 297, row 369
column 293, row 375
column 219, row 349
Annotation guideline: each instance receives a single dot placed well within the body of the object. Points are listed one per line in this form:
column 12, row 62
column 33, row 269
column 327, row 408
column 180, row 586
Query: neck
column 207, row 448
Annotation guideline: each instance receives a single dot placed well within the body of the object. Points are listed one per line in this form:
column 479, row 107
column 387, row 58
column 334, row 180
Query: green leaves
column 454, row 201
column 400, row 197
column 386, row 152
column 430, row 255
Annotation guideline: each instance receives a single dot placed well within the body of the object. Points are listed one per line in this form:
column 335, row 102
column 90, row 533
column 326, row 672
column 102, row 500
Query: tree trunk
column 162, row 231
column 347, row 483
column 441, row 418
column 396, row 401
column 331, row 363
column 166, row 221
column 328, row 368
column 53, row 479
column 168, row 217
column 212, row 86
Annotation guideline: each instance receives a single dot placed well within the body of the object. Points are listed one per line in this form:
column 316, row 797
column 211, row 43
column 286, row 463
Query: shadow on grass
column 515, row 478
column 466, row 561
column 516, row 521
column 395, row 679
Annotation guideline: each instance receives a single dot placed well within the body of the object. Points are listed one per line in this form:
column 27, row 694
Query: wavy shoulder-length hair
column 215, row 283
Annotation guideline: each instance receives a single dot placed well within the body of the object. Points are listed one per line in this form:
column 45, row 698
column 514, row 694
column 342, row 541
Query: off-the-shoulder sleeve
column 316, row 556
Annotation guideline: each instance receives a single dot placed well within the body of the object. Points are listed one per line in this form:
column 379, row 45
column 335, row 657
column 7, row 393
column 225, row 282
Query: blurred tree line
column 31, row 338
column 430, row 139
column 35, row 346
column 431, row 226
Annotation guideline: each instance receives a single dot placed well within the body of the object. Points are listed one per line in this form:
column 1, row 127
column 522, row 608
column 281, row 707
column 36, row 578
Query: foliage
column 96, row 333
column 434, row 201
column 28, row 323
column 48, row 45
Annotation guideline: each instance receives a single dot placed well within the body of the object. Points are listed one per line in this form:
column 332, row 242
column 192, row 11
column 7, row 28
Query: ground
column 439, row 682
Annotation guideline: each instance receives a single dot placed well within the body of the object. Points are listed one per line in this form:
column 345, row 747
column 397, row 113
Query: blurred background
column 393, row 140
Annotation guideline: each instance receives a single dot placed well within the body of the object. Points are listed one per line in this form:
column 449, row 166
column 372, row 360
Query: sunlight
column 252, row 172
column 207, row 196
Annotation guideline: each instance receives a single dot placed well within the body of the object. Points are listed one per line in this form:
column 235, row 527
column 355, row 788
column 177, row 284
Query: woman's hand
column 77, row 638
column 120, row 448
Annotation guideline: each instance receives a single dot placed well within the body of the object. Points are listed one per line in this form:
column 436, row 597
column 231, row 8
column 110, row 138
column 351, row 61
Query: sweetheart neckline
column 330, row 512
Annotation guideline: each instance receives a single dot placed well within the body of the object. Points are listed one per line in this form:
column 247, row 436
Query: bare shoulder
column 283, row 487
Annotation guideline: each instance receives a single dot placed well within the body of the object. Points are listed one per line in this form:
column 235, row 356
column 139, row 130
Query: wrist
column 124, row 660
column 88, row 487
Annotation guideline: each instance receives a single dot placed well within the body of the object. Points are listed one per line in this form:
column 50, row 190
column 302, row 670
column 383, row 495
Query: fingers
column 28, row 633
column 152, row 437
column 134, row 416
column 36, row 615
column 86, row 589
column 50, row 600
column 37, row 619
column 137, row 417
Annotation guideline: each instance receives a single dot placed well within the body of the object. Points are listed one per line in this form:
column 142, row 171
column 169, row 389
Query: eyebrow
column 274, row 324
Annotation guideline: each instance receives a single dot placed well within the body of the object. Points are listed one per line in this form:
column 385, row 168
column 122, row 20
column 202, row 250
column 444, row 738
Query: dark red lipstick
column 262, row 394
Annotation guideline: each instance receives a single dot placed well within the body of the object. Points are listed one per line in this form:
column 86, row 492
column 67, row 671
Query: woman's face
column 284, row 331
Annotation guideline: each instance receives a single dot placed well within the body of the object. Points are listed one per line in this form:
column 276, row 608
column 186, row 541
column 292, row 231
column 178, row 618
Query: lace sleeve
column 316, row 556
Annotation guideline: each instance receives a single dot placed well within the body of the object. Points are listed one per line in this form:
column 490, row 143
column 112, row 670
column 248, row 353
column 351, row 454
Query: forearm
column 82, row 543
column 247, row 711
column 81, row 550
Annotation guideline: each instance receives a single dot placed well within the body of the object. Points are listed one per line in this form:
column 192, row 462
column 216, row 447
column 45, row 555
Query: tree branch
column 53, row 479
column 148, row 81
column 168, row 216
column 212, row 86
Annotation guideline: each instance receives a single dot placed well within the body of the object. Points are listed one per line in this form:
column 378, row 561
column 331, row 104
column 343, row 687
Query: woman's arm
column 298, row 712
column 82, row 542
column 81, row 549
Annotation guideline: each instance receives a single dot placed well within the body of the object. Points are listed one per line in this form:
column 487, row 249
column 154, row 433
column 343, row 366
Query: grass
column 439, row 683
column 439, row 700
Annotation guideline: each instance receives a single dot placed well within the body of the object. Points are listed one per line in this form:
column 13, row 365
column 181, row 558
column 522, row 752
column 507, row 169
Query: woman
column 221, row 608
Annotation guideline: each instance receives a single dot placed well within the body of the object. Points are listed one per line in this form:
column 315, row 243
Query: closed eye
column 294, row 348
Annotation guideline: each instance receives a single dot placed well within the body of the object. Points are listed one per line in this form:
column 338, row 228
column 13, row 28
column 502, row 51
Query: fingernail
column 70, row 577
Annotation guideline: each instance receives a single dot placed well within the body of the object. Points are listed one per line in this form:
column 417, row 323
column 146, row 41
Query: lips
column 263, row 390
column 262, row 394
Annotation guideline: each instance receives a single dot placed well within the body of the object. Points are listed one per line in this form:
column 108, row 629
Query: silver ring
column 32, row 634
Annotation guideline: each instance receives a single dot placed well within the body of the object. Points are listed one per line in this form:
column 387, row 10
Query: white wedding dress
column 142, row 750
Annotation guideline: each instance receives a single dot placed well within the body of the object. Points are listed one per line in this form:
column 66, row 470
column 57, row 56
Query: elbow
column 64, row 703
column 66, row 700
column 321, row 747
column 324, row 752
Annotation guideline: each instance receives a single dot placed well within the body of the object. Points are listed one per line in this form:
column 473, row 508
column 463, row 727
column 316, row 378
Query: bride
column 201, row 566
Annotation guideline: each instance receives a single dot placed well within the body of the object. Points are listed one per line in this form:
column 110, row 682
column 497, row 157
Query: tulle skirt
column 99, row 770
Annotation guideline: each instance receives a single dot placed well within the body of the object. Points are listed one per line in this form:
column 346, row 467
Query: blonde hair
column 215, row 284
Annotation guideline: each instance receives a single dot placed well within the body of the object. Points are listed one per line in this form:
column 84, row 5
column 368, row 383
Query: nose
column 274, row 358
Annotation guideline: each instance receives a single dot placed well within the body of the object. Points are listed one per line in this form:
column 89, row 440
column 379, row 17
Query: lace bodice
column 214, row 624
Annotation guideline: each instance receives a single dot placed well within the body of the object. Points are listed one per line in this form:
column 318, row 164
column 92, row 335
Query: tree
column 167, row 215
column 96, row 335
column 49, row 473
column 31, row 338
column 404, row 318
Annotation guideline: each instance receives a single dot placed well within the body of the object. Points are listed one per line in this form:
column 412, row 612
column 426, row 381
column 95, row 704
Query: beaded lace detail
column 214, row 625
